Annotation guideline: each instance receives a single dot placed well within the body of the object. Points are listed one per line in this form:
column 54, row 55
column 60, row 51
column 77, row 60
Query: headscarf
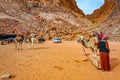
column 105, row 37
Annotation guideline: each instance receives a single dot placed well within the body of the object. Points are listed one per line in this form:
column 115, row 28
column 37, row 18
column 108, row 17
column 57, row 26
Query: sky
column 88, row 6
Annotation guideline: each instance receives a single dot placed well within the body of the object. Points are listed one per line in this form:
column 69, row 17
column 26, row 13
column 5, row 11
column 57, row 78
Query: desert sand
column 50, row 61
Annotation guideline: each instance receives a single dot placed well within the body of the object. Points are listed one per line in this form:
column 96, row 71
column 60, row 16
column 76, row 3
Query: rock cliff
column 58, row 18
column 47, row 18
column 103, row 12
column 67, row 5
column 107, row 18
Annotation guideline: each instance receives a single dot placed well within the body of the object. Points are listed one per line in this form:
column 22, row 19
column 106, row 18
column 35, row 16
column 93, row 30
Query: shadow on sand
column 114, row 63
column 37, row 48
column 41, row 48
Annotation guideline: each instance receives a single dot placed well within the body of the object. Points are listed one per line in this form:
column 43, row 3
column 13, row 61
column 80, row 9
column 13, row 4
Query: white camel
column 31, row 38
column 90, row 44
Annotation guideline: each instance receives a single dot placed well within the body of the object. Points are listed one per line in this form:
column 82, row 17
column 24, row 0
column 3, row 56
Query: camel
column 18, row 42
column 31, row 39
column 90, row 44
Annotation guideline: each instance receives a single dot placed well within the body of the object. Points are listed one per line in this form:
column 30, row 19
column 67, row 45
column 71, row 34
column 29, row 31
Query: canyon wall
column 61, row 18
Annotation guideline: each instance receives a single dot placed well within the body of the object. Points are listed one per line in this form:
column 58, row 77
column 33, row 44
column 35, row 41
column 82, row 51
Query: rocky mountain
column 107, row 19
column 58, row 18
column 103, row 12
column 47, row 18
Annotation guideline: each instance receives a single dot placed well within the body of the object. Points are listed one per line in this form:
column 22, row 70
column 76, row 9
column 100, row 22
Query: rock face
column 107, row 19
column 47, row 18
column 103, row 12
column 67, row 5
column 108, row 14
column 58, row 18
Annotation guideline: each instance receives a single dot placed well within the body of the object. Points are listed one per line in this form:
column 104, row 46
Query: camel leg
column 93, row 52
column 94, row 55
column 29, row 42
column 16, row 45
column 32, row 41
column 96, row 62
column 21, row 45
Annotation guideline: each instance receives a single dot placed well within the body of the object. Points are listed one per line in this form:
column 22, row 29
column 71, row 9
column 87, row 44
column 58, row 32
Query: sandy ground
column 49, row 61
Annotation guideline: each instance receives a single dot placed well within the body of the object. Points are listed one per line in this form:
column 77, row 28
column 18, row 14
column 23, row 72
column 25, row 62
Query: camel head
column 80, row 39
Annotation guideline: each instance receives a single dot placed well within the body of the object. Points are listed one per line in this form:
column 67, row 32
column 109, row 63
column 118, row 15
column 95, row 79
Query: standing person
column 104, row 53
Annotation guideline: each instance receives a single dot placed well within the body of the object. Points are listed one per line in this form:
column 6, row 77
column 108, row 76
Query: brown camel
column 18, row 42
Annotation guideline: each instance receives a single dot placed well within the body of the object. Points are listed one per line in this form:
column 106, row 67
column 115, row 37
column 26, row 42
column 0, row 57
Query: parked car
column 41, row 39
column 57, row 40
column 9, row 40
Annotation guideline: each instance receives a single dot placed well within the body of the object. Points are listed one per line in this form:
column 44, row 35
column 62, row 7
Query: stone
column 6, row 76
